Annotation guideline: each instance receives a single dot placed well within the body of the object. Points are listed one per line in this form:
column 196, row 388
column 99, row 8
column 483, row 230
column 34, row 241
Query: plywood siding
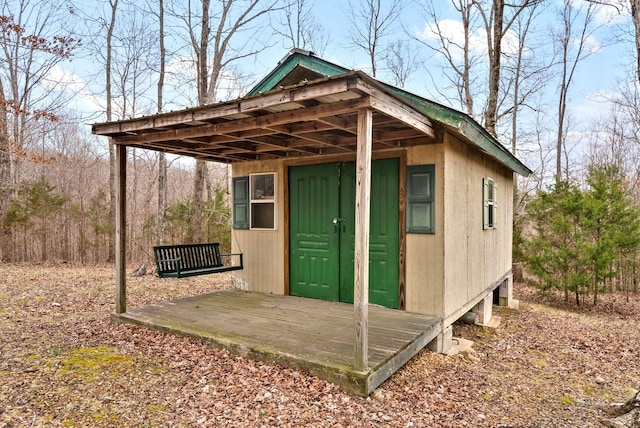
column 475, row 259
column 425, row 252
column 264, row 252
column 445, row 271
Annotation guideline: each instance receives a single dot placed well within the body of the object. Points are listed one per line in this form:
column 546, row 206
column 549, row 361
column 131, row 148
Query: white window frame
column 255, row 200
column 489, row 203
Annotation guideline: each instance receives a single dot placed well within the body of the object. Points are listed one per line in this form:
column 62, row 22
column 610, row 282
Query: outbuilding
column 347, row 189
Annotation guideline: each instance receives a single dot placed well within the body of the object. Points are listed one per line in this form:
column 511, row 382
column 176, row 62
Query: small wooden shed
column 352, row 190
column 441, row 194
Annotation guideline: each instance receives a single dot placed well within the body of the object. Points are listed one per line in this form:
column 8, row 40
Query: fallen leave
column 64, row 363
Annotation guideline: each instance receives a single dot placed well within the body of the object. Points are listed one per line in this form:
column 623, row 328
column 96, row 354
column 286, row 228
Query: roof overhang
column 463, row 126
column 311, row 118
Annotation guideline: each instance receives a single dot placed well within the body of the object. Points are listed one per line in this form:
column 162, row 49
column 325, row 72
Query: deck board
column 312, row 335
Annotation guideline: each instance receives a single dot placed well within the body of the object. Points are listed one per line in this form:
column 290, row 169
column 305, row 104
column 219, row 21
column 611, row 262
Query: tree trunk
column 466, row 75
column 635, row 15
column 198, row 196
column 162, row 158
column 495, row 54
column 162, row 196
column 5, row 182
column 111, row 257
column 203, row 98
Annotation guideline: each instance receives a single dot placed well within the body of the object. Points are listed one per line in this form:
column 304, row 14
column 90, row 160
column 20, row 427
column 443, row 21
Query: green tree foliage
column 35, row 207
column 101, row 226
column 582, row 236
column 612, row 222
column 179, row 222
column 35, row 201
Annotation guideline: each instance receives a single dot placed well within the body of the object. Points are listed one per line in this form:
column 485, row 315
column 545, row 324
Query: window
column 254, row 205
column 421, row 199
column 263, row 203
column 489, row 205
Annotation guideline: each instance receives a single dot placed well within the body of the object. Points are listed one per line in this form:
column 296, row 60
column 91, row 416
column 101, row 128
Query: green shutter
column 420, row 199
column 241, row 203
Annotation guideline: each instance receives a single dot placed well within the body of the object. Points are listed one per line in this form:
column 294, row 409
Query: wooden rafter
column 314, row 119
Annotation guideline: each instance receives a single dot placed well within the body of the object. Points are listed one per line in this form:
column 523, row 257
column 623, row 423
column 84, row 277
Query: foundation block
column 442, row 342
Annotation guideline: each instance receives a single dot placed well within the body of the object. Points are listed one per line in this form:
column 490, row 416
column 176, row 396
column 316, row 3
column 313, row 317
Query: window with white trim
column 421, row 199
column 262, row 201
column 489, row 203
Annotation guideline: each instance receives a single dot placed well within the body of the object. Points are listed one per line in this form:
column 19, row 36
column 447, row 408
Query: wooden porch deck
column 307, row 334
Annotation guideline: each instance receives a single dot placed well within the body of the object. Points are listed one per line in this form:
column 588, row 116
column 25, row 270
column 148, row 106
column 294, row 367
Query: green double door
column 322, row 232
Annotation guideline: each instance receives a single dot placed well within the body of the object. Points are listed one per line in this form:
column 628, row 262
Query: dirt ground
column 63, row 363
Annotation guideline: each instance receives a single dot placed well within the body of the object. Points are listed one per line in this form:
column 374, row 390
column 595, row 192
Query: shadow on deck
column 307, row 334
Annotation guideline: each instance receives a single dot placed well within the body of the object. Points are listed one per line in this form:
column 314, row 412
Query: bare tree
column 5, row 177
column 495, row 34
column 635, row 15
column 454, row 45
column 132, row 65
column 162, row 158
column 497, row 24
column 213, row 31
column 132, row 72
column 112, row 151
column 32, row 44
column 370, row 24
column 572, row 41
column 466, row 63
column 121, row 40
column 300, row 29
column 525, row 72
column 401, row 61
column 634, row 9
column 614, row 137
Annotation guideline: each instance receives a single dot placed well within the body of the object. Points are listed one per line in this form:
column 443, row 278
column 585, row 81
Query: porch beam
column 398, row 110
column 248, row 124
column 263, row 143
column 361, row 259
column 342, row 87
column 121, row 214
column 303, row 139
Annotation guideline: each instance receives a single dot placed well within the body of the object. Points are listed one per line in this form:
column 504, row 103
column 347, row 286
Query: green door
column 314, row 244
column 383, row 233
column 322, row 232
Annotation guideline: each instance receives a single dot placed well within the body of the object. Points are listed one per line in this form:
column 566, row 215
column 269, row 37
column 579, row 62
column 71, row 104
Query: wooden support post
column 121, row 215
column 361, row 259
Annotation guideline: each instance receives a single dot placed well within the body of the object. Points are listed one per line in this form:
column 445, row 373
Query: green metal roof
column 464, row 125
column 454, row 120
column 297, row 58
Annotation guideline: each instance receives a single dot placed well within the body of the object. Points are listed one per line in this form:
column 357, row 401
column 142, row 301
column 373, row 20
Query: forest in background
column 514, row 67
column 60, row 210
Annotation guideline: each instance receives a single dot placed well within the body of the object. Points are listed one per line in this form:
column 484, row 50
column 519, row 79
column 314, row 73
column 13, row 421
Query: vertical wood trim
column 285, row 228
column 361, row 259
column 121, row 231
column 402, row 233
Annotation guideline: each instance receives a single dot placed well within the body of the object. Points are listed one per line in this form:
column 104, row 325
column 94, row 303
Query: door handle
column 336, row 222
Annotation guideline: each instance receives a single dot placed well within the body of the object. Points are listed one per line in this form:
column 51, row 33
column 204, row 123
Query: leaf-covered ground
column 63, row 363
